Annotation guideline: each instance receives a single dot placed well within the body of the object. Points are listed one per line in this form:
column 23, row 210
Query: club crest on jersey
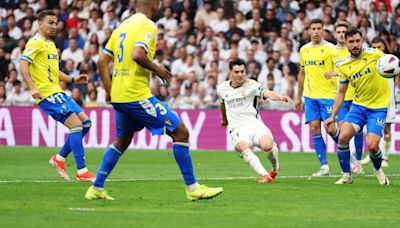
column 365, row 60
column 322, row 51
column 29, row 51
column 148, row 37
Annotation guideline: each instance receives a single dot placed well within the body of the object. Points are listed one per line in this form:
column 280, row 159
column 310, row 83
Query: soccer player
column 369, row 106
column 132, row 47
column 378, row 43
column 245, row 126
column 39, row 68
column 316, row 58
column 342, row 52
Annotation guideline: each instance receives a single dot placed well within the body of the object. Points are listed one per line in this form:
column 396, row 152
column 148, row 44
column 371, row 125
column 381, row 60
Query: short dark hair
column 316, row 21
column 352, row 32
column 236, row 62
column 45, row 13
column 377, row 40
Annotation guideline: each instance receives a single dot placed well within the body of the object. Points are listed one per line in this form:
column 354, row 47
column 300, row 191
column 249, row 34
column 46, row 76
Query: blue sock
column 320, row 148
column 359, row 144
column 75, row 141
column 376, row 159
column 66, row 149
column 344, row 157
column 182, row 157
column 110, row 159
column 335, row 137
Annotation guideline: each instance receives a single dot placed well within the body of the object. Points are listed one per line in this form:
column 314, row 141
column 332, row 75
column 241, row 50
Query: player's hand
column 298, row 105
column 286, row 99
column 108, row 98
column 224, row 123
column 328, row 122
column 164, row 74
column 329, row 75
column 36, row 94
column 81, row 79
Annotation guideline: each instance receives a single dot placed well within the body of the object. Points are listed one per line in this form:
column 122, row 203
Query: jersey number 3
column 121, row 47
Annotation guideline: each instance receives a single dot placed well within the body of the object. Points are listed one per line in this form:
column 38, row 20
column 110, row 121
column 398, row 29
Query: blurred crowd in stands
column 195, row 40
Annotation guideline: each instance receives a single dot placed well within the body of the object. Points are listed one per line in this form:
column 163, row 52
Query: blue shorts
column 150, row 113
column 374, row 118
column 59, row 106
column 318, row 109
column 344, row 110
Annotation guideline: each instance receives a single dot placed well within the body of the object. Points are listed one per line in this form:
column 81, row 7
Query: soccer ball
column 388, row 66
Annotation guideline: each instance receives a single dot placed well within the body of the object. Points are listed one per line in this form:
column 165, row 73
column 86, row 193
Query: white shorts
column 250, row 132
column 391, row 113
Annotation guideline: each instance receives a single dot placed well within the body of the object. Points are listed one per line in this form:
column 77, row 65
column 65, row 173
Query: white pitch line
column 174, row 179
column 81, row 209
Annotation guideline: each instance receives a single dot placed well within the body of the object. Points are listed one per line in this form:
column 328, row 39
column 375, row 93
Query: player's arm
column 276, row 96
column 338, row 103
column 104, row 71
column 224, row 120
column 83, row 78
column 139, row 55
column 300, row 86
column 24, row 68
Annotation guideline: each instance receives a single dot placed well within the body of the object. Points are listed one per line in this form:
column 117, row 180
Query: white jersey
column 240, row 103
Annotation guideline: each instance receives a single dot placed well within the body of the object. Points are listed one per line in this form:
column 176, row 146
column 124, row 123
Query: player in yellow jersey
column 316, row 58
column 132, row 47
column 378, row 43
column 369, row 105
column 342, row 52
column 39, row 68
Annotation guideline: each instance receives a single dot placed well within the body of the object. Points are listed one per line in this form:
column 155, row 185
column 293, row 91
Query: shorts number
column 121, row 47
column 163, row 110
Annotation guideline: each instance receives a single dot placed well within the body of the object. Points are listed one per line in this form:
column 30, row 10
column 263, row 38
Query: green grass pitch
column 149, row 192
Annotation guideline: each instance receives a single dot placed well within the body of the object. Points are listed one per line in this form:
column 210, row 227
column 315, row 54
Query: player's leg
column 346, row 133
column 387, row 145
column 159, row 119
column 244, row 151
column 265, row 141
column 75, row 140
column 375, row 125
column 125, row 128
column 86, row 124
column 313, row 118
column 354, row 120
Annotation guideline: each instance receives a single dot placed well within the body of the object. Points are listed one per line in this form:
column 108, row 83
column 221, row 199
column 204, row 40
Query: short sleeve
column 146, row 36
column 31, row 51
column 301, row 58
column 109, row 48
column 342, row 76
column 219, row 96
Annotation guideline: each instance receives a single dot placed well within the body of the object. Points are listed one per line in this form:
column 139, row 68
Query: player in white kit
column 238, row 98
column 378, row 43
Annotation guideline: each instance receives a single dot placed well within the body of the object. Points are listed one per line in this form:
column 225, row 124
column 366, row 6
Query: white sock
column 254, row 162
column 192, row 187
column 60, row 158
column 272, row 156
column 387, row 146
column 82, row 171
